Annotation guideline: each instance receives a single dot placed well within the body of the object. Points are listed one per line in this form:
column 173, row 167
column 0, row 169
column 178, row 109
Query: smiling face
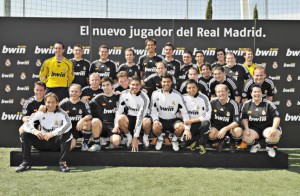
column 78, row 52
column 39, row 92
column 135, row 86
column 166, row 84
column 129, row 56
column 187, row 58
column 259, row 75
column 58, row 50
column 192, row 89
column 51, row 103
column 168, row 51
column 199, row 58
column 256, row 94
column 103, row 52
column 150, row 46
column 75, row 92
column 222, row 92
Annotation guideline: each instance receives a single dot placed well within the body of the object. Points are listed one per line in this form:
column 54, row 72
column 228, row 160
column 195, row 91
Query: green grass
column 150, row 181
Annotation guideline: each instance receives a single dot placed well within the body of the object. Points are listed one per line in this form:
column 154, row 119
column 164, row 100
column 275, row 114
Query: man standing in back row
column 147, row 62
column 57, row 72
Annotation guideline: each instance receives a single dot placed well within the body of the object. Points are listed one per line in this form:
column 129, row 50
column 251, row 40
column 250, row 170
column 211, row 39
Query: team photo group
column 150, row 102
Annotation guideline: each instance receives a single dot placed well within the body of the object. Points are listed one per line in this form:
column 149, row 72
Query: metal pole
column 187, row 10
column 24, row 8
column 7, row 7
column 106, row 8
column 267, row 8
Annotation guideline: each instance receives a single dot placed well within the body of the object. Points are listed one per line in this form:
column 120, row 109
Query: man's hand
column 39, row 134
column 48, row 136
column 85, row 99
column 115, row 130
column 221, row 133
column 135, row 144
column 188, row 122
column 43, row 108
column 187, row 134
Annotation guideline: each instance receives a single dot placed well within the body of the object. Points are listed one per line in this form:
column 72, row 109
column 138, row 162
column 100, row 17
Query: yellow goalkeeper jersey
column 250, row 68
column 57, row 74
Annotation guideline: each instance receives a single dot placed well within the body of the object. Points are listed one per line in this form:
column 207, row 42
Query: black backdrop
column 26, row 42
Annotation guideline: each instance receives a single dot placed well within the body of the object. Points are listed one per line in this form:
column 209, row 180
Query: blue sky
column 157, row 9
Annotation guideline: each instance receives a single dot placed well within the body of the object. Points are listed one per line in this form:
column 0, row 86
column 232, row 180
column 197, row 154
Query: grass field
column 150, row 181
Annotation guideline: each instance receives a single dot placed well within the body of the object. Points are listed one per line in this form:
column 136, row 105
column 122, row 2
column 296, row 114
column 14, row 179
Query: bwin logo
column 19, row 50
column 39, row 50
column 271, row 52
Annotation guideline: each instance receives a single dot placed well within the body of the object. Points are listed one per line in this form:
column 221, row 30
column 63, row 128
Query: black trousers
column 57, row 143
column 61, row 92
column 200, row 132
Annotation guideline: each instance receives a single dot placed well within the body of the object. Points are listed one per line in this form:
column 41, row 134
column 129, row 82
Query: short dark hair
column 206, row 64
column 199, row 51
column 130, row 50
column 78, row 45
column 104, row 46
column 191, row 81
column 160, row 62
column 39, row 83
column 188, row 52
column 107, row 79
column 169, row 44
column 135, row 78
column 219, row 67
column 254, row 86
column 166, row 75
column 150, row 40
column 60, row 43
column 193, row 68
column 219, row 50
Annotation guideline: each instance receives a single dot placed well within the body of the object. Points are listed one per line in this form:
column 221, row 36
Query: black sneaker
column 221, row 145
column 232, row 147
column 23, row 167
column 64, row 167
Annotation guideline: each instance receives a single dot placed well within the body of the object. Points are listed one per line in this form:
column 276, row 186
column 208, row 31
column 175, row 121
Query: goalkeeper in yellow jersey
column 57, row 72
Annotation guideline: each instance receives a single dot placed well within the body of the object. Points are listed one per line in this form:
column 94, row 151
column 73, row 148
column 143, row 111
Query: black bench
column 152, row 158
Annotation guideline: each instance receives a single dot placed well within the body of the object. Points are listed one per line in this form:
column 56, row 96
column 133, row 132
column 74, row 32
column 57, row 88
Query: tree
column 209, row 11
column 255, row 12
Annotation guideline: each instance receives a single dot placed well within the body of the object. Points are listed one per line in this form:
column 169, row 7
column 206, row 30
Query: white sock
column 145, row 137
column 128, row 135
column 174, row 138
column 160, row 137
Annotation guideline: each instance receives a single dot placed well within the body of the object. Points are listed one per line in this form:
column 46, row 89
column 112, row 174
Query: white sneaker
column 103, row 141
column 175, row 145
column 271, row 151
column 95, row 148
column 111, row 146
column 255, row 148
column 146, row 141
column 159, row 144
column 124, row 140
column 129, row 141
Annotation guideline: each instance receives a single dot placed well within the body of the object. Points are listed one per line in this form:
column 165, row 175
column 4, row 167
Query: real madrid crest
column 38, row 62
column 23, row 76
column 228, row 114
column 7, row 88
column 288, row 103
column 173, row 103
column 80, row 111
column 263, row 112
column 275, row 65
column 7, row 62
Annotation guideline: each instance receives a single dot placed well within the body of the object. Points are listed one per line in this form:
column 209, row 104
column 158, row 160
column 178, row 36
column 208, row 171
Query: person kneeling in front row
column 261, row 119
